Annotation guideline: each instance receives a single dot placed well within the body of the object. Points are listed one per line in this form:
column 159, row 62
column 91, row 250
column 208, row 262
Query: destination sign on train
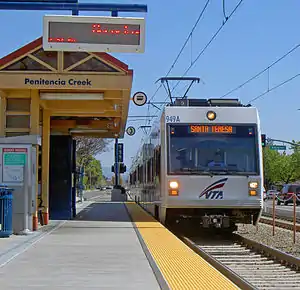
column 223, row 129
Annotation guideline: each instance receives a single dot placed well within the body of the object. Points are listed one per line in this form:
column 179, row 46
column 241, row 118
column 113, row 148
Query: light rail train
column 201, row 165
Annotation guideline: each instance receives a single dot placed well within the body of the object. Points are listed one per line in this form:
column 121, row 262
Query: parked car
column 264, row 194
column 287, row 192
column 271, row 193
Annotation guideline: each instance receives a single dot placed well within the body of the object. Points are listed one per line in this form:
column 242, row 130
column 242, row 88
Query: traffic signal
column 122, row 168
column 263, row 140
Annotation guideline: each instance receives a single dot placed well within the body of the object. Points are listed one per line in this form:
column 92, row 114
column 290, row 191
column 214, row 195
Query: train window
column 148, row 171
column 158, row 164
column 234, row 153
column 140, row 174
column 151, row 169
column 143, row 174
column 154, row 166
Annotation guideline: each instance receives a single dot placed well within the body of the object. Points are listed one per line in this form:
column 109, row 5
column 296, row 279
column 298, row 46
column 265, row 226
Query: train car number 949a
column 172, row 119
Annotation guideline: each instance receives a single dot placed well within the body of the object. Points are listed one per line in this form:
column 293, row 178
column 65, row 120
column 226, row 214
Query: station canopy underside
column 86, row 94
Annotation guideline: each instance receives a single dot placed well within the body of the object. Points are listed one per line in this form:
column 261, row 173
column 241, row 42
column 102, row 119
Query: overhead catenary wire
column 148, row 113
column 208, row 44
column 211, row 40
column 224, row 11
column 183, row 47
column 189, row 36
column 262, row 71
column 274, row 88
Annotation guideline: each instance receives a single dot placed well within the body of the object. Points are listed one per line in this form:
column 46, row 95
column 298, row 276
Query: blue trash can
column 6, row 198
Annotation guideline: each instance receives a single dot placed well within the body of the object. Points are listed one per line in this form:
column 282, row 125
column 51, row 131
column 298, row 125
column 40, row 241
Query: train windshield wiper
column 210, row 171
column 218, row 172
column 195, row 170
column 228, row 171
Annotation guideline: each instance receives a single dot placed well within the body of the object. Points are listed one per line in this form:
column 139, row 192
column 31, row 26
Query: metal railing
column 295, row 200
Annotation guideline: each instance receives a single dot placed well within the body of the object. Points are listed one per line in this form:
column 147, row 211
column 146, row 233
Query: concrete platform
column 97, row 250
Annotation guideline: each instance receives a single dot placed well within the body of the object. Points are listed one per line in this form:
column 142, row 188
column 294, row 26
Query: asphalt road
column 98, row 195
column 289, row 207
column 281, row 210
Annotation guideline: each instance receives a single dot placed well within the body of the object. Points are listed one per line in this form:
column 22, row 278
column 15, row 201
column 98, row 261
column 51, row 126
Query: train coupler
column 216, row 221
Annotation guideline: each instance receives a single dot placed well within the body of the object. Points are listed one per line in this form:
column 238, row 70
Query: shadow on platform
column 106, row 211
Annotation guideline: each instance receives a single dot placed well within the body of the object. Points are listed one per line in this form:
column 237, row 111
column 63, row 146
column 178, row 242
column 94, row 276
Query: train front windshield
column 213, row 149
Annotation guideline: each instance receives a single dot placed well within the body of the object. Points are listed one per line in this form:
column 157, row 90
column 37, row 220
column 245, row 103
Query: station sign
column 93, row 34
column 14, row 160
column 278, row 147
column 130, row 131
column 139, row 98
column 120, row 152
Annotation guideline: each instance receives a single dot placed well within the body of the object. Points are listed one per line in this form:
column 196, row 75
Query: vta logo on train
column 214, row 191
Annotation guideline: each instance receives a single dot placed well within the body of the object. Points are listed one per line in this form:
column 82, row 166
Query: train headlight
column 253, row 184
column 211, row 115
column 173, row 184
column 173, row 188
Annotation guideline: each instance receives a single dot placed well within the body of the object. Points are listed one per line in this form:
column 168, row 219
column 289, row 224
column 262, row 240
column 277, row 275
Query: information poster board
column 14, row 160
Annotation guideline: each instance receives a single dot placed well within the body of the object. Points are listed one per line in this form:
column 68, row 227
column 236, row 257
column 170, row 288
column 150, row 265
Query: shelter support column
column 2, row 114
column 45, row 164
column 116, row 163
column 34, row 130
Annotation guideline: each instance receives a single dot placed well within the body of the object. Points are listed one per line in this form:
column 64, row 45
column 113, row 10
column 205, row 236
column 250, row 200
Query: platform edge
column 163, row 284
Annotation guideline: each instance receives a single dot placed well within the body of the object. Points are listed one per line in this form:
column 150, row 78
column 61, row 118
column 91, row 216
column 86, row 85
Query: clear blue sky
column 254, row 37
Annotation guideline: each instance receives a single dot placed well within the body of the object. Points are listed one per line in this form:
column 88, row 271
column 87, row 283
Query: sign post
column 116, row 163
column 139, row 99
column 130, row 131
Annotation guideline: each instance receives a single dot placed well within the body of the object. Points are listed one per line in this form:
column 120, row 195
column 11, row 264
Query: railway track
column 279, row 222
column 285, row 218
column 248, row 264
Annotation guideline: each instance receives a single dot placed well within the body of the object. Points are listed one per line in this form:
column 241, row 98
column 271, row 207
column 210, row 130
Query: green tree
column 281, row 168
column 270, row 163
column 285, row 168
column 296, row 158
column 93, row 173
column 87, row 148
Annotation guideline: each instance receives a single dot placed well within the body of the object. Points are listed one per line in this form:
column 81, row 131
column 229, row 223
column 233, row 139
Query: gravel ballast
column 282, row 240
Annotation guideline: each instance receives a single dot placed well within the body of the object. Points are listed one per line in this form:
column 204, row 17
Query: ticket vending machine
column 18, row 170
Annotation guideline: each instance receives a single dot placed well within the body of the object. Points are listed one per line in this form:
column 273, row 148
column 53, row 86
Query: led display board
column 94, row 34
column 212, row 129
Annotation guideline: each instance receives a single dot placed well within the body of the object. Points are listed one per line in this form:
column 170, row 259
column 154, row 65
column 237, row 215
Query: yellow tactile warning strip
column 180, row 266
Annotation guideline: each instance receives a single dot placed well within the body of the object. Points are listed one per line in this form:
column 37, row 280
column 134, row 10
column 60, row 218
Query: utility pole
column 90, row 180
column 116, row 163
column 81, row 174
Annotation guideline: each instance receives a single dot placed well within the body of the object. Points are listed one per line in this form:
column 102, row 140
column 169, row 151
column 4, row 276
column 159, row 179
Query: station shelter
column 59, row 95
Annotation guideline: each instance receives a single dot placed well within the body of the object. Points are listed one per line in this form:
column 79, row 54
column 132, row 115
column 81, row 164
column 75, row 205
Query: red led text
column 61, row 39
column 96, row 28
